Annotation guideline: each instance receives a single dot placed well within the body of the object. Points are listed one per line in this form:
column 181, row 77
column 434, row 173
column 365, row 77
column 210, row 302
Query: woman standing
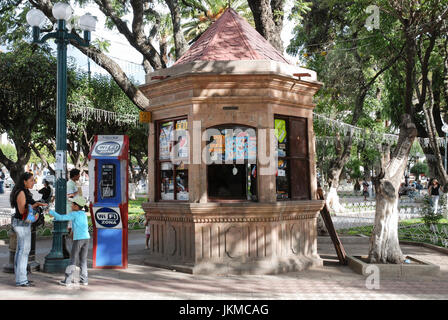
column 20, row 198
column 434, row 192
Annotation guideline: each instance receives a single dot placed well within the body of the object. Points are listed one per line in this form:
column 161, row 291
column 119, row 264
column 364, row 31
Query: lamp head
column 62, row 11
column 35, row 17
column 87, row 22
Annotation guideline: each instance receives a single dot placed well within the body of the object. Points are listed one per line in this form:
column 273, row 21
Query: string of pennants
column 345, row 129
column 361, row 134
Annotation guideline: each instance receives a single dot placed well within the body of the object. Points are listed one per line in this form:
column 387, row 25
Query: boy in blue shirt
column 80, row 248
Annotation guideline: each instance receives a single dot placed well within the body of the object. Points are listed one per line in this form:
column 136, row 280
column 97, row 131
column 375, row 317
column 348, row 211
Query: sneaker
column 83, row 283
column 25, row 285
column 63, row 283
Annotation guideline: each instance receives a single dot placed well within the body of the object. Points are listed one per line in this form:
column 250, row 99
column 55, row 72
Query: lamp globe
column 62, row 11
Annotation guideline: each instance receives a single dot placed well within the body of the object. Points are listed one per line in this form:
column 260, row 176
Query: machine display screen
column 107, row 183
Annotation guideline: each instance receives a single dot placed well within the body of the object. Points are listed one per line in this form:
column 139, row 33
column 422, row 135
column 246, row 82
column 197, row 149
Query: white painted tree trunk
column 384, row 244
column 333, row 202
column 132, row 189
column 444, row 209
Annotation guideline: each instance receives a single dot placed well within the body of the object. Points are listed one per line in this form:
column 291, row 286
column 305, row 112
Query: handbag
column 32, row 216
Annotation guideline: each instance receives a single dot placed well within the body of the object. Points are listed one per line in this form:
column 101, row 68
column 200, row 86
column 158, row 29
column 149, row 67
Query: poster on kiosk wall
column 108, row 166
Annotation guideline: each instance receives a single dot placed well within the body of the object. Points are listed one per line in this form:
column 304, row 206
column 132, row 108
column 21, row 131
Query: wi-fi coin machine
column 108, row 191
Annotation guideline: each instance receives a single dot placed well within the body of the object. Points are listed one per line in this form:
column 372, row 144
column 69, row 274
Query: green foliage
column 13, row 26
column 135, row 206
column 420, row 168
column 202, row 14
column 353, row 168
column 27, row 100
column 299, row 9
column 9, row 151
column 101, row 44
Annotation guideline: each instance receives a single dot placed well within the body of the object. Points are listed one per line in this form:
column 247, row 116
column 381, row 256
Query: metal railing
column 359, row 218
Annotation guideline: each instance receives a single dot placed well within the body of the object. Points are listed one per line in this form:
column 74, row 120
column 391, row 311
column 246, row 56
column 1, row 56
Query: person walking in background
column 72, row 191
column 365, row 189
column 72, row 187
column 434, row 192
column 20, row 199
column 2, row 181
column 80, row 247
column 46, row 192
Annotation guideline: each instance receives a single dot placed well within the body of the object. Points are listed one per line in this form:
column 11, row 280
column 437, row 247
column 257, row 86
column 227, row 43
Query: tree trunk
column 384, row 244
column 43, row 159
column 332, row 201
column 180, row 44
column 334, row 174
column 132, row 189
column 264, row 18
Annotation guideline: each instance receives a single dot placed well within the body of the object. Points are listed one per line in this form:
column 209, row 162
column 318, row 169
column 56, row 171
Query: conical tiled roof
column 229, row 38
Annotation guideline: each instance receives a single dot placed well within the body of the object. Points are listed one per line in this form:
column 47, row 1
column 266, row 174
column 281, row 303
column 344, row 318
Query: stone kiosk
column 232, row 182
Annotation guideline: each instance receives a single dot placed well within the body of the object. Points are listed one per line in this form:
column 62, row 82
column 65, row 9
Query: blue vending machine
column 108, row 192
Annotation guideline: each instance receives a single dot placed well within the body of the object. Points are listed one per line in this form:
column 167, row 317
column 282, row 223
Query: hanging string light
column 101, row 115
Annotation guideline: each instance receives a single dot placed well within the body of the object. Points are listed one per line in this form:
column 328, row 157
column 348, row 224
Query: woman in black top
column 434, row 192
column 20, row 198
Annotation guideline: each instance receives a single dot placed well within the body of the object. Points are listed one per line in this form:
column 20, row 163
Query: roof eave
column 233, row 67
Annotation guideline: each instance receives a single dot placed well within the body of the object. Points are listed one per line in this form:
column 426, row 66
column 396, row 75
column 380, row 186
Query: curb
column 426, row 245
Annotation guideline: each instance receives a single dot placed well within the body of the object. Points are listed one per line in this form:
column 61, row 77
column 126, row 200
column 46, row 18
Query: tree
column 414, row 22
column 349, row 65
column 419, row 168
column 102, row 93
column 269, row 16
column 27, row 79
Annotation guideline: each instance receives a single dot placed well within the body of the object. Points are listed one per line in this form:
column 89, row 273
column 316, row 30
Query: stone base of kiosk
column 233, row 238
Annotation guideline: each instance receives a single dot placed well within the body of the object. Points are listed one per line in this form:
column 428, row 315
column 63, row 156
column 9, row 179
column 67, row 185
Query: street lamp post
column 58, row 258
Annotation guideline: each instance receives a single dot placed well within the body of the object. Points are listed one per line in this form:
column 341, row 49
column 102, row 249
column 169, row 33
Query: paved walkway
column 332, row 281
column 139, row 281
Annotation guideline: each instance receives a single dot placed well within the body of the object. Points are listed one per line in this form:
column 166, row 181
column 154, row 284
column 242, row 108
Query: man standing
column 72, row 191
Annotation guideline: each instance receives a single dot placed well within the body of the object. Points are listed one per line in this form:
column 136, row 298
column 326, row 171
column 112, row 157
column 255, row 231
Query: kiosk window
column 173, row 151
column 292, row 177
column 231, row 169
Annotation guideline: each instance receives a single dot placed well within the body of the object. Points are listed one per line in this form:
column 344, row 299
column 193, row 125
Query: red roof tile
column 231, row 37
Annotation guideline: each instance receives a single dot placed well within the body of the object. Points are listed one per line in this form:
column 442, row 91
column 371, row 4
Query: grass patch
column 135, row 206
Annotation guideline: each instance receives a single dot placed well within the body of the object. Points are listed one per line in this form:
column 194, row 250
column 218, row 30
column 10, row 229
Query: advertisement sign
column 280, row 129
column 107, row 146
column 165, row 140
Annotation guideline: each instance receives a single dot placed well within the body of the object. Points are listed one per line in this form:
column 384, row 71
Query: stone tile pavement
column 141, row 282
